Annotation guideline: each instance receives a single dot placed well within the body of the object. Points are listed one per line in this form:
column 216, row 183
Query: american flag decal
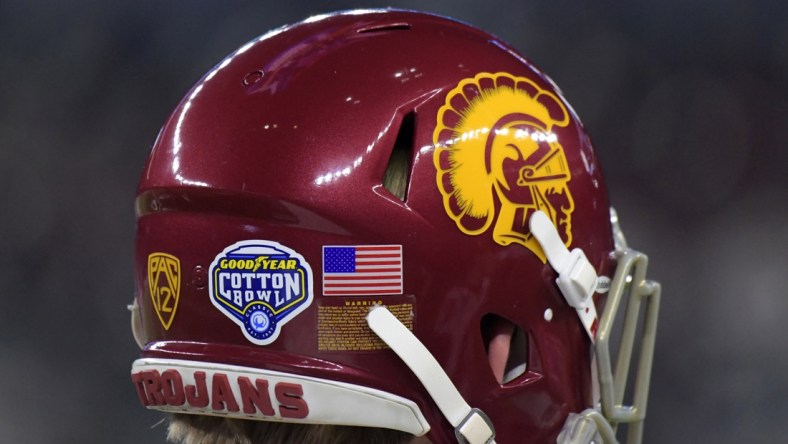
column 361, row 270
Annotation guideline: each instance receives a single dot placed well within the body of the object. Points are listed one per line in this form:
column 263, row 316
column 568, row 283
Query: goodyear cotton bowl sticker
column 498, row 158
column 261, row 285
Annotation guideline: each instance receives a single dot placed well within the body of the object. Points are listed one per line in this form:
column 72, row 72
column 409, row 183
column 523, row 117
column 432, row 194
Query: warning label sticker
column 342, row 324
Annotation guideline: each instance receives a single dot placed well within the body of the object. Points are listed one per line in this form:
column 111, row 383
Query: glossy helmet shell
column 288, row 140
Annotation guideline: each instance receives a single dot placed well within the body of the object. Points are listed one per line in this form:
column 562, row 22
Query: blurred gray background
column 685, row 100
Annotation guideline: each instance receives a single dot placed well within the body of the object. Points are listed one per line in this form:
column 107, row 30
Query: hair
column 200, row 429
column 395, row 178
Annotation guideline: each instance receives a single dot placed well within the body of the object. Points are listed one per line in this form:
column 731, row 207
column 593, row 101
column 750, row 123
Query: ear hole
column 395, row 179
column 506, row 345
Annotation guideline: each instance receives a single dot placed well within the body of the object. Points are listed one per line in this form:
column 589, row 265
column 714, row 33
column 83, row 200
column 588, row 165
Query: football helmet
column 390, row 219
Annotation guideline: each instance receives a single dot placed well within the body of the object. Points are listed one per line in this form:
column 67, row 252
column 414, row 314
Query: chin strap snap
column 577, row 278
column 471, row 425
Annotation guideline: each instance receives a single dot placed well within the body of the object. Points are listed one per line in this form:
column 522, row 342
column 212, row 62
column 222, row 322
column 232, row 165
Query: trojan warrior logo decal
column 164, row 282
column 260, row 285
column 498, row 159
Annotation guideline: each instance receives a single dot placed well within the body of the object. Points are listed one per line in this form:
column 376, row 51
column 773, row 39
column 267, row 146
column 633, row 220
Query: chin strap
column 136, row 323
column 471, row 425
column 577, row 278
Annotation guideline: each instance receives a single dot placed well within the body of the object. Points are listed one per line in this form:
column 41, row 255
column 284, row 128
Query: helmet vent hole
column 506, row 345
column 386, row 27
column 395, row 179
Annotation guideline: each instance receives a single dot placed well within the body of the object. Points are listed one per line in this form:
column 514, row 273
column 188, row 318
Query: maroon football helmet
column 346, row 219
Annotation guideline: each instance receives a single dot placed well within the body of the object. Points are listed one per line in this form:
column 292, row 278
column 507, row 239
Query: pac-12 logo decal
column 164, row 283
column 498, row 159
column 261, row 285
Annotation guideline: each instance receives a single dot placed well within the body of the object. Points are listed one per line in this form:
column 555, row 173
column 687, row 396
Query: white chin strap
column 577, row 278
column 471, row 425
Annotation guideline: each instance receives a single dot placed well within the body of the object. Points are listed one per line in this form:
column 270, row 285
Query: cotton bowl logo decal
column 260, row 285
column 498, row 159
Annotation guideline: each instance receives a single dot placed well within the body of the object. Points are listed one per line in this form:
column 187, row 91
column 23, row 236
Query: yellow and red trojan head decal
column 498, row 159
